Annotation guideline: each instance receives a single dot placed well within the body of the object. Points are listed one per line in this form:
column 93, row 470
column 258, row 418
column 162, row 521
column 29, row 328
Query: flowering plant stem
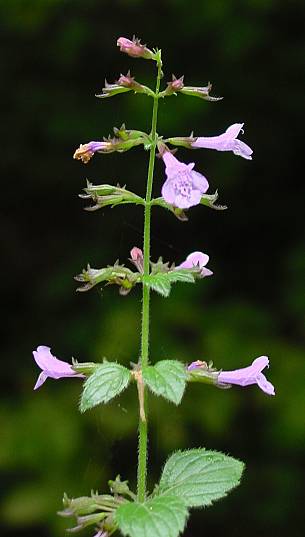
column 142, row 450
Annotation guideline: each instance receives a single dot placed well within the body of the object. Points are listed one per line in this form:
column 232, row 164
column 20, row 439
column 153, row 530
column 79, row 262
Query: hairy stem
column 142, row 448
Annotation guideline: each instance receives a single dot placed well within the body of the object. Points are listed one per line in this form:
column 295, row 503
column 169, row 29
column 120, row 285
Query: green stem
column 142, row 449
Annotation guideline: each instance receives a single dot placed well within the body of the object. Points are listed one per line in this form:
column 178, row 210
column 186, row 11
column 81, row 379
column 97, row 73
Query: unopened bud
column 134, row 48
column 202, row 372
column 119, row 487
column 175, row 85
column 128, row 81
column 137, row 258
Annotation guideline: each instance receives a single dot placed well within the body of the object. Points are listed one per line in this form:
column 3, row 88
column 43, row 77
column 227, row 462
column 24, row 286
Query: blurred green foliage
column 55, row 55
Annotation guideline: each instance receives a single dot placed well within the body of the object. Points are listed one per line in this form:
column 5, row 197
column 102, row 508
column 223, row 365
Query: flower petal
column 234, row 130
column 206, row 272
column 46, row 361
column 200, row 182
column 168, row 192
column 242, row 150
column 264, row 384
column 197, row 258
column 41, row 379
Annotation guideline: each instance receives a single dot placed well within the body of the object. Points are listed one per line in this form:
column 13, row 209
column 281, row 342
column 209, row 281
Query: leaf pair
column 166, row 378
column 193, row 478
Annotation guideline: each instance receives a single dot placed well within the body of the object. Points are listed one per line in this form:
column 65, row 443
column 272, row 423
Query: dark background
column 55, row 56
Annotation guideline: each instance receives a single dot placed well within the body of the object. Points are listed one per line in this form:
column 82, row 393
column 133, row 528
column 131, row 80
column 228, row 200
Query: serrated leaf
column 161, row 281
column 158, row 282
column 107, row 381
column 200, row 477
column 161, row 516
column 166, row 378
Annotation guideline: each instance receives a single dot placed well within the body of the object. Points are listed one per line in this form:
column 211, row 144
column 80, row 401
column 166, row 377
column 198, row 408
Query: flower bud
column 137, row 258
column 126, row 134
column 128, row 81
column 119, row 487
column 202, row 372
column 122, row 85
column 134, row 48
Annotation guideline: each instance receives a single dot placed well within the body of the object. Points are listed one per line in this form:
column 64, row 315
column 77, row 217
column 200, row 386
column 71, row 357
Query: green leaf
column 166, row 378
column 199, row 477
column 107, row 381
column 161, row 516
column 161, row 281
column 158, row 282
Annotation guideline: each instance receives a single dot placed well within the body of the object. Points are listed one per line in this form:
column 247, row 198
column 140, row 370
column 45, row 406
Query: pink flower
column 134, row 48
column 226, row 142
column 184, row 186
column 196, row 260
column 51, row 366
column 249, row 375
column 85, row 151
column 137, row 258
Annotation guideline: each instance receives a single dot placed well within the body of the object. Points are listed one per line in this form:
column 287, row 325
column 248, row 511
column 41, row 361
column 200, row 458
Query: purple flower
column 226, row 142
column 183, row 187
column 85, row 151
column 196, row 260
column 249, row 375
column 51, row 366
